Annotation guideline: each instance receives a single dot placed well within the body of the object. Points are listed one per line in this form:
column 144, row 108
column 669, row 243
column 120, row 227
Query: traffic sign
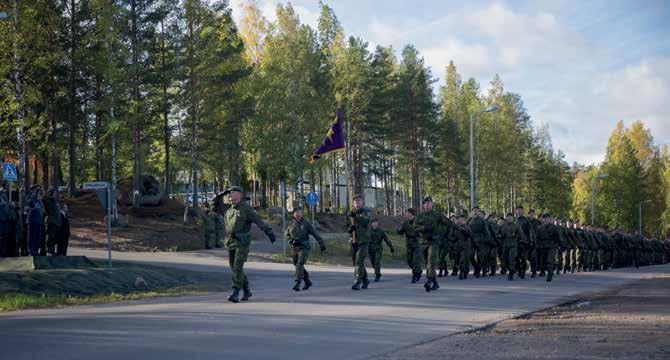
column 312, row 199
column 9, row 172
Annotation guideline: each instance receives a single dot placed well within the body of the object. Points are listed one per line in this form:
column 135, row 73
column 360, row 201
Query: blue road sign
column 312, row 199
column 9, row 172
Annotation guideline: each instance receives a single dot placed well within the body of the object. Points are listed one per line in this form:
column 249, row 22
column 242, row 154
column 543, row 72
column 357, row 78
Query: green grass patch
column 61, row 287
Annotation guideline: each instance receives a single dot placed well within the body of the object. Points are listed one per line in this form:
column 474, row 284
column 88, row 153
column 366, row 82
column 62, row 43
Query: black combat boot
column 533, row 274
column 427, row 286
column 418, row 276
column 414, row 280
column 435, row 285
column 454, row 272
column 510, row 276
column 503, row 271
column 356, row 286
column 465, row 275
column 296, row 286
column 377, row 277
column 235, row 296
column 440, row 273
column 550, row 276
column 246, row 293
column 308, row 284
column 542, row 273
column 366, row 283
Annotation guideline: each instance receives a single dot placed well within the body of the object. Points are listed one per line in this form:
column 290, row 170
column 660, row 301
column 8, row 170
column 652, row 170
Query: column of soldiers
column 42, row 228
column 517, row 244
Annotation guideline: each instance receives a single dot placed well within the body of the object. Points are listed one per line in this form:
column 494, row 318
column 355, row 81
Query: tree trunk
column 72, row 121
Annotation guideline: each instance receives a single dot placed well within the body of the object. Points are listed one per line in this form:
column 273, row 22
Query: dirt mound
column 85, row 206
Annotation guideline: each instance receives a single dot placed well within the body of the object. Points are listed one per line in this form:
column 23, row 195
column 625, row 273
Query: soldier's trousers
column 499, row 251
column 454, row 254
column 208, row 238
column 52, row 238
column 35, row 238
column 376, row 253
column 546, row 259
column 477, row 257
column 414, row 258
column 300, row 257
column 493, row 259
column 521, row 264
column 430, row 253
column 463, row 256
column 236, row 258
column 559, row 260
column 534, row 261
column 509, row 256
column 360, row 253
column 443, row 254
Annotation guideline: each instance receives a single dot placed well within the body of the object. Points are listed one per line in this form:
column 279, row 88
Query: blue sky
column 580, row 66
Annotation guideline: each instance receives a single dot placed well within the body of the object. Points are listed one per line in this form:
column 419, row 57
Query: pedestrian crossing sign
column 9, row 172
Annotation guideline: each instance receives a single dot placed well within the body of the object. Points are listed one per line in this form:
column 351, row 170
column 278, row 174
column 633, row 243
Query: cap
column 358, row 196
column 427, row 199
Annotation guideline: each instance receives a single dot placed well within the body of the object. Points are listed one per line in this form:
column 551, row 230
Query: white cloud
column 269, row 8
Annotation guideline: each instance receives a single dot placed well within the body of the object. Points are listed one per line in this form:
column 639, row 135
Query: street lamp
column 640, row 214
column 491, row 108
column 593, row 197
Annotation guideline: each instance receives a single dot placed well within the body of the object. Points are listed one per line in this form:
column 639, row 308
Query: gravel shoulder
column 629, row 322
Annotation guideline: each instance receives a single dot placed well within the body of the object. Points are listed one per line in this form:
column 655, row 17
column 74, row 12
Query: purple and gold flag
column 334, row 139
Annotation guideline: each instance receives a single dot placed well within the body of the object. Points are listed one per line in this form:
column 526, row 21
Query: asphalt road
column 329, row 321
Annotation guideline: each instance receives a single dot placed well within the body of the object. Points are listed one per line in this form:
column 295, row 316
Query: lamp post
column 472, row 152
column 18, row 94
column 593, row 197
column 640, row 214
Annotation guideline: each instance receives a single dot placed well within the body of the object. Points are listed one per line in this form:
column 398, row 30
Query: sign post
column 9, row 175
column 312, row 200
column 104, row 192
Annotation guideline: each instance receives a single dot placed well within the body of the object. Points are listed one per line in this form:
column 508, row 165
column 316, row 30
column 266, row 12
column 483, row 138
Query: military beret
column 358, row 196
column 427, row 199
column 296, row 209
column 546, row 215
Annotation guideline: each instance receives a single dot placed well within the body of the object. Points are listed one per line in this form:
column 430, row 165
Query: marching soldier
column 237, row 220
column 480, row 234
column 297, row 233
column 525, row 242
column 359, row 227
column 432, row 225
column 377, row 235
column 412, row 244
column 547, row 242
column 511, row 235
column 52, row 209
column 462, row 237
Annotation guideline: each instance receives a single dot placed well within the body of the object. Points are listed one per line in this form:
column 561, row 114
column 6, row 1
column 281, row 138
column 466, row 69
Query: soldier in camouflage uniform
column 525, row 242
column 493, row 241
column 548, row 237
column 480, row 235
column 358, row 221
column 532, row 256
column 511, row 235
column 462, row 245
column 297, row 234
column 432, row 225
column 578, row 233
column 377, row 236
column 237, row 222
column 412, row 244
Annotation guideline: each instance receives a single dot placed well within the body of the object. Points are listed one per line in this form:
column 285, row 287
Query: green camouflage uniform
column 526, row 239
column 359, row 227
column 237, row 222
column 433, row 225
column 480, row 240
column 462, row 237
column 548, row 237
column 413, row 246
column 511, row 236
column 376, row 249
column 297, row 234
